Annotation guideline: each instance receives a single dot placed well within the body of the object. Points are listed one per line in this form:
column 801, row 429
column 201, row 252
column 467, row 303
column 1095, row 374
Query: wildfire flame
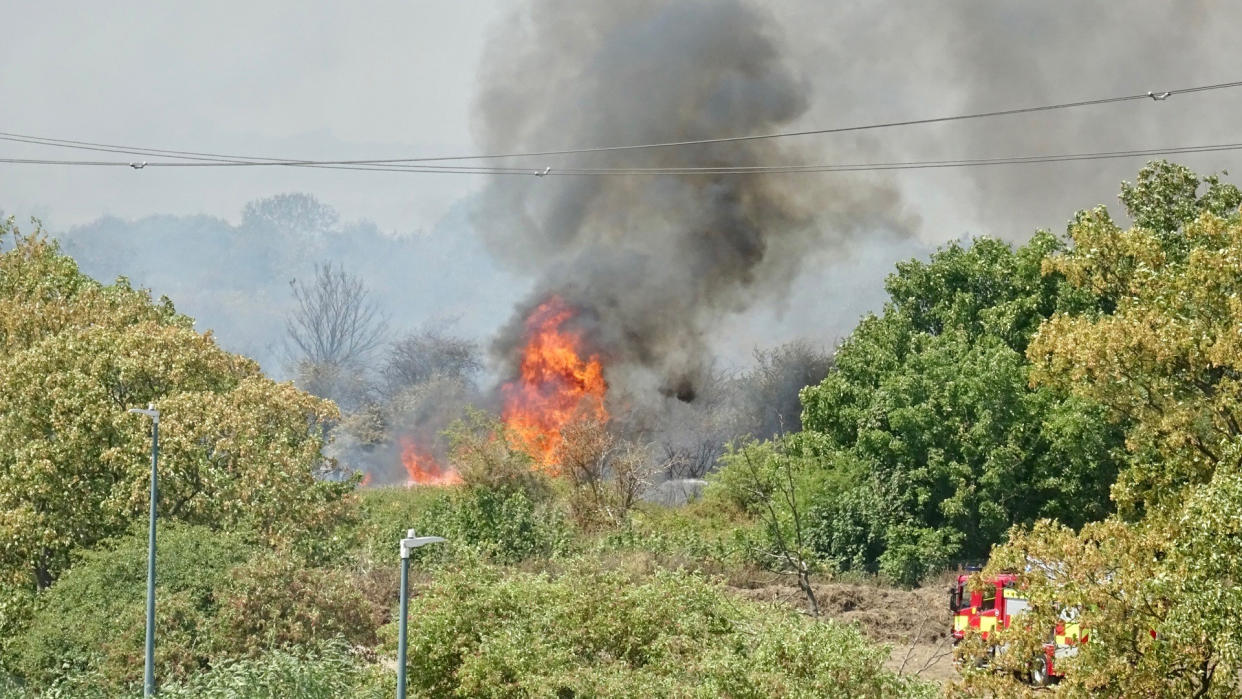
column 555, row 385
column 422, row 467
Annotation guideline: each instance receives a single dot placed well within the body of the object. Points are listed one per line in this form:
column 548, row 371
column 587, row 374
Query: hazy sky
column 388, row 79
column 268, row 78
column 385, row 78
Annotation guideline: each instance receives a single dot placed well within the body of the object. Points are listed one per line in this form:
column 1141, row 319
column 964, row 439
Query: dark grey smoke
column 655, row 264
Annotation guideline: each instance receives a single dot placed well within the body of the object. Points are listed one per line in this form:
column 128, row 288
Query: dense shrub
column 277, row 601
column 326, row 672
column 387, row 513
column 93, row 617
column 706, row 531
column 479, row 633
column 503, row 527
column 216, row 597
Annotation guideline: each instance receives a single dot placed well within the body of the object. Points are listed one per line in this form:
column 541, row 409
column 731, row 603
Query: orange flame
column 423, row 469
column 555, row 385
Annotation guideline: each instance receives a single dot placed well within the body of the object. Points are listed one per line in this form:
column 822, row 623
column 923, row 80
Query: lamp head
column 411, row 542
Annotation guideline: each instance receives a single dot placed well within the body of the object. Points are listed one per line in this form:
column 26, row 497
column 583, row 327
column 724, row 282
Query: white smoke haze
column 234, row 279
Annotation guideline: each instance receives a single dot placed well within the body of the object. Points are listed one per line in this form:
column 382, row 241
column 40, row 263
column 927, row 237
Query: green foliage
column 709, row 531
column 324, row 672
column 933, row 438
column 912, row 553
column 1166, row 196
column 479, row 633
column 277, row 601
column 387, row 513
column 773, row 483
column 42, row 293
column 238, row 450
column 17, row 605
column 1155, row 584
column 217, row 597
column 1168, row 359
column 505, row 512
column 93, row 617
column 503, row 527
column 490, row 457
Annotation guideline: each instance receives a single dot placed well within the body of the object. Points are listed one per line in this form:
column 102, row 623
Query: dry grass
column 915, row 622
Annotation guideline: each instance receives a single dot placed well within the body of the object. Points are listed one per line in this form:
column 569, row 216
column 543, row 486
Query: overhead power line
column 722, row 170
column 257, row 160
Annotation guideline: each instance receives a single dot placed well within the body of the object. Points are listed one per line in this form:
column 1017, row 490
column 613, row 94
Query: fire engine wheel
column 1040, row 677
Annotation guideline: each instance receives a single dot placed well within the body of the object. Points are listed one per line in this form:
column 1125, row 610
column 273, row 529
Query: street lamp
column 148, row 680
column 409, row 543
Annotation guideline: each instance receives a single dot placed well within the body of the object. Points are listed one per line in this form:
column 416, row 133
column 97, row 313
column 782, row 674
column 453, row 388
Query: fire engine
column 995, row 605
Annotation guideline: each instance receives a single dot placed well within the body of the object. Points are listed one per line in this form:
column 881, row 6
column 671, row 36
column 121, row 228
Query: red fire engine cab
column 995, row 605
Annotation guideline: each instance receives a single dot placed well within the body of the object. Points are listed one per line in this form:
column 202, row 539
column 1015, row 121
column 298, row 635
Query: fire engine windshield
column 955, row 596
column 989, row 599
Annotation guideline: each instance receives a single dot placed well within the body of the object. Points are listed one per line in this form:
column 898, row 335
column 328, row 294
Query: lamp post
column 408, row 544
column 148, row 679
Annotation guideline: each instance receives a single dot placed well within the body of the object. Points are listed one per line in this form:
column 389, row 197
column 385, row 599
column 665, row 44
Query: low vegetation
column 1067, row 409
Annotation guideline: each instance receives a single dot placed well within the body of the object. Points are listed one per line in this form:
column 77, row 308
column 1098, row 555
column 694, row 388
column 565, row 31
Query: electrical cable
column 678, row 171
column 203, row 156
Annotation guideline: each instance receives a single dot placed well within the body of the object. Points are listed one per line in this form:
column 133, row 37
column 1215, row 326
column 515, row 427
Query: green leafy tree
column 238, row 450
column 1168, row 359
column 1154, row 585
column 939, row 442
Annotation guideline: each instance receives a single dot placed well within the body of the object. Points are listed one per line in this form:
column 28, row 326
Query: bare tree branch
column 335, row 322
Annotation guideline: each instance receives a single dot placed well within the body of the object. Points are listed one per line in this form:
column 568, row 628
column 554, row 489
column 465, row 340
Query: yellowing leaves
column 237, row 449
column 1157, row 585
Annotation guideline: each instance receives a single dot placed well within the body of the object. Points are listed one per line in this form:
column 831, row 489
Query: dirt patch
column 915, row 623
column 887, row 614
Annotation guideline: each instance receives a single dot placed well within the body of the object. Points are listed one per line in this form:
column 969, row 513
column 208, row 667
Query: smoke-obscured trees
column 759, row 403
column 233, row 278
column 411, row 390
column 333, row 330
column 335, row 322
column 768, row 394
column 429, row 353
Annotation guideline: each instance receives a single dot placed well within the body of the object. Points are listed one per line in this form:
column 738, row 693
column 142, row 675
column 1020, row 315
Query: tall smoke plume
column 654, row 263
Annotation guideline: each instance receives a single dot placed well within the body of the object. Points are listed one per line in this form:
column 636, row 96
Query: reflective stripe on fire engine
column 961, row 622
column 1069, row 634
column 987, row 623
